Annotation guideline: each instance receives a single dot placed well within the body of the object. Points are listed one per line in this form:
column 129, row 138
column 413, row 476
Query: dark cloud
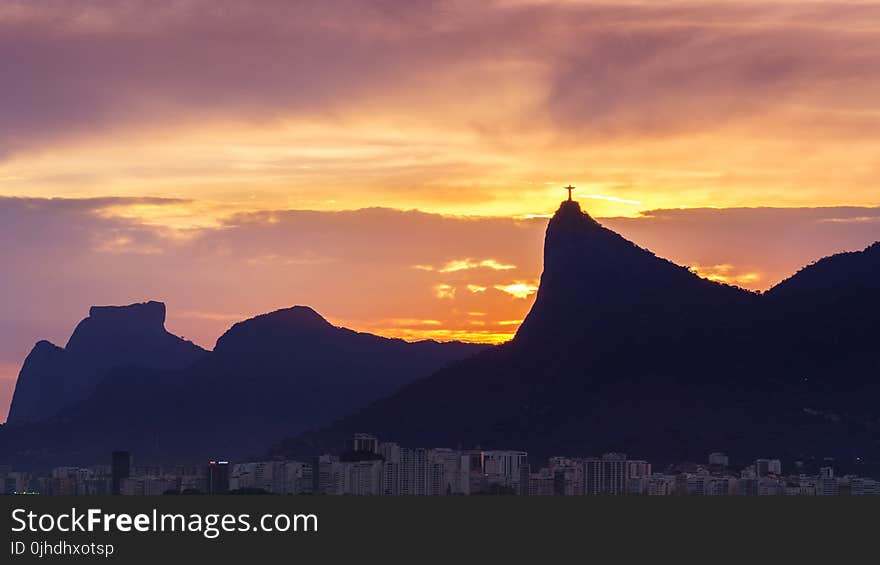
column 82, row 68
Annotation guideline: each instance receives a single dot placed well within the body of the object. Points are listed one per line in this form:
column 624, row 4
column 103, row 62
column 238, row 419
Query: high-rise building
column 661, row 485
column 764, row 467
column 546, row 482
column 503, row 467
column 525, row 474
column 719, row 459
column 827, row 484
column 364, row 478
column 217, row 477
column 864, row 486
column 636, row 469
column 414, row 471
column 364, row 443
column 121, row 469
column 605, row 475
column 452, row 470
column 568, row 476
column 323, row 480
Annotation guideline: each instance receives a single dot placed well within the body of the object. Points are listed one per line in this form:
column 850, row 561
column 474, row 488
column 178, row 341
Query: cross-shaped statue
column 569, row 188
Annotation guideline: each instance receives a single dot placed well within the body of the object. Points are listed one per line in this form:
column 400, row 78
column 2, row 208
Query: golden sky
column 231, row 158
column 450, row 107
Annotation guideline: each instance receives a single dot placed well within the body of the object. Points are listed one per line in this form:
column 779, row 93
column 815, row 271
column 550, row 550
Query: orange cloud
column 466, row 264
column 444, row 291
column 467, row 335
column 518, row 289
column 727, row 274
column 409, row 322
column 388, row 113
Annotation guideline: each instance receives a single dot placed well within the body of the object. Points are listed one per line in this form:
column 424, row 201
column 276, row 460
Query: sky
column 392, row 163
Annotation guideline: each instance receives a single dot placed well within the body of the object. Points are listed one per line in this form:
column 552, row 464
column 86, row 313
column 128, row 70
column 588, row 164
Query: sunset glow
column 393, row 164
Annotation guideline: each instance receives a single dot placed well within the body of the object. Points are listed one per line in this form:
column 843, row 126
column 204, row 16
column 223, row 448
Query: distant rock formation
column 269, row 376
column 112, row 336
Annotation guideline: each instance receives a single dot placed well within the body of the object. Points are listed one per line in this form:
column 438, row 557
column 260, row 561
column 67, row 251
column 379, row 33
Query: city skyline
column 368, row 466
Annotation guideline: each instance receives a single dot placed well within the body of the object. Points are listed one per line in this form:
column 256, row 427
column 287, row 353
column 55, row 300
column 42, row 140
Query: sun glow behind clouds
column 481, row 111
column 728, row 274
column 580, row 93
column 466, row 264
column 518, row 289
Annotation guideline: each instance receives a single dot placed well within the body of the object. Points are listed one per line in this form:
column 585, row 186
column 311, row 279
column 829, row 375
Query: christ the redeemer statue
column 569, row 188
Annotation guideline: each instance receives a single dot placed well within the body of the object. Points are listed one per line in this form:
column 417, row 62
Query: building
column 864, row 487
column 719, row 486
column 363, row 478
column 770, row 486
column 323, row 474
column 747, row 486
column 661, row 485
column 451, row 470
column 364, row 443
column 765, row 467
column 16, row 482
column 827, row 484
column 503, row 468
column 568, row 476
column 605, row 475
column 718, row 459
column 413, row 475
column 217, row 477
column 121, row 469
column 131, row 486
column 544, row 482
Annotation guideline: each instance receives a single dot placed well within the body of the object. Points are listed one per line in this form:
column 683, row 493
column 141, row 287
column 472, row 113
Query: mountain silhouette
column 273, row 374
column 626, row 351
column 112, row 336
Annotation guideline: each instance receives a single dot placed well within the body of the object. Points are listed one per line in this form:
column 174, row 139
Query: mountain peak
column 567, row 229
column 296, row 317
column 570, row 215
column 107, row 321
column 273, row 329
column 592, row 274
column 151, row 313
column 304, row 314
column 110, row 337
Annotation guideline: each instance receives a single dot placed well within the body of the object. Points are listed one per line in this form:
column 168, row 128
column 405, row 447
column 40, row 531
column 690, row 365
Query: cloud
column 518, row 289
column 444, row 291
column 608, row 67
column 415, row 322
column 456, row 265
column 451, row 107
column 727, row 274
column 465, row 264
